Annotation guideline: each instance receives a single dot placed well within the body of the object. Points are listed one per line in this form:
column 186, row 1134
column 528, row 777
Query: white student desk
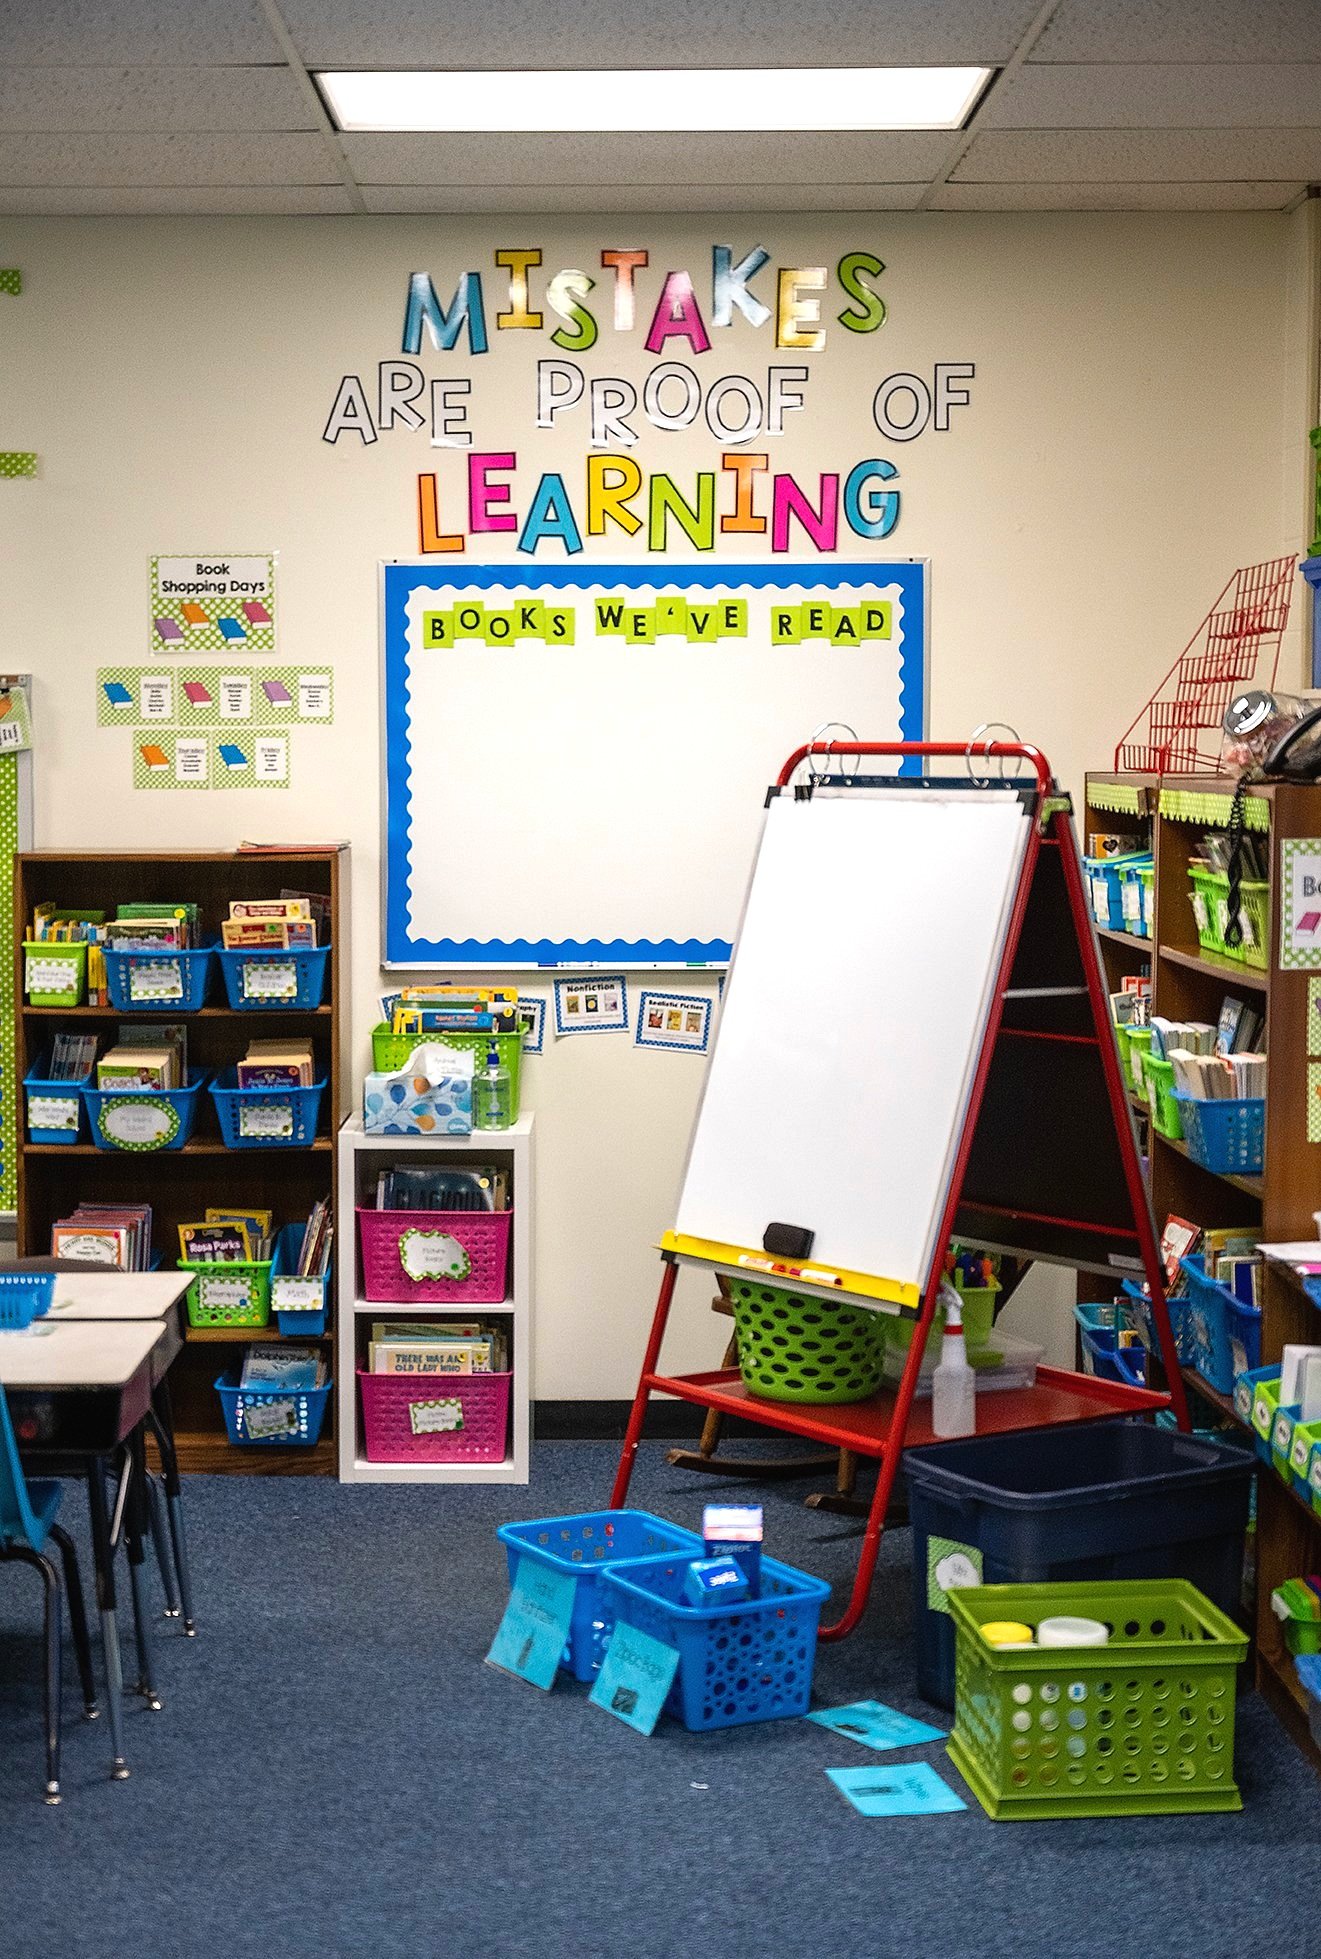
column 115, row 1296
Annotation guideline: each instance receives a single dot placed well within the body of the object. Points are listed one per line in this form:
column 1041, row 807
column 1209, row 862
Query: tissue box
column 432, row 1096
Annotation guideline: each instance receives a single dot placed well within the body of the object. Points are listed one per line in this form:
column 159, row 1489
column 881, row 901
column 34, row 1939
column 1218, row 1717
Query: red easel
column 1050, row 935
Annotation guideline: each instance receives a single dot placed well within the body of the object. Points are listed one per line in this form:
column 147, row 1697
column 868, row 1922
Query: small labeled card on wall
column 591, row 1006
column 216, row 602
column 207, row 696
column 531, row 1011
column 673, row 1020
column 169, row 758
column 1300, row 909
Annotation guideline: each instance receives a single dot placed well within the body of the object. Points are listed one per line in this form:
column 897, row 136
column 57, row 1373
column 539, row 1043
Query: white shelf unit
column 360, row 1156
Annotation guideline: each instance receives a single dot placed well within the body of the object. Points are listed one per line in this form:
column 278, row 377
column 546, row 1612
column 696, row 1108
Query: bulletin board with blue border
column 575, row 760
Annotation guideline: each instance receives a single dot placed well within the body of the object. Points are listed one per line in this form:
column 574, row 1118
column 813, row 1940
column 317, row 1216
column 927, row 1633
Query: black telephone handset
column 1296, row 756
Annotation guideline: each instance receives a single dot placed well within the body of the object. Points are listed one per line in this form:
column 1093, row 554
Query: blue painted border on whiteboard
column 400, row 948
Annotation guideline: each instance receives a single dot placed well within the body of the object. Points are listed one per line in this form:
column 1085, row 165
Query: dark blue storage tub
column 1113, row 1499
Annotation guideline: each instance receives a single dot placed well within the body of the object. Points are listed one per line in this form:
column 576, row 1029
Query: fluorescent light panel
column 629, row 99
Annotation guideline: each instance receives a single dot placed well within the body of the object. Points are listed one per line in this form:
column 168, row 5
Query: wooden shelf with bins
column 179, row 1184
column 1189, row 984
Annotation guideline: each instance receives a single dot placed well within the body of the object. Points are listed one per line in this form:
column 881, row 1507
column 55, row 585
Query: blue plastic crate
column 193, row 966
column 298, row 979
column 586, row 1547
column 1105, row 881
column 68, row 1093
column 24, row 1297
column 266, row 1118
column 1227, row 1332
column 142, row 1119
column 1226, row 1136
column 1137, row 1306
column 1111, row 1362
column 751, row 1661
column 307, row 1410
column 309, row 1321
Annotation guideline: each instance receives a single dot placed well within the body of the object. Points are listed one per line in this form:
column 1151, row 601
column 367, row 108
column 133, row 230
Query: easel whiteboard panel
column 598, row 803
column 860, row 990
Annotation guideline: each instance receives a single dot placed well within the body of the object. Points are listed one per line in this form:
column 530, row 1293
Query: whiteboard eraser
column 788, row 1240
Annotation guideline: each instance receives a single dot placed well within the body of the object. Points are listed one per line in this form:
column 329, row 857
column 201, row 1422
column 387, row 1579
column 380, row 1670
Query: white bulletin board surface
column 559, row 793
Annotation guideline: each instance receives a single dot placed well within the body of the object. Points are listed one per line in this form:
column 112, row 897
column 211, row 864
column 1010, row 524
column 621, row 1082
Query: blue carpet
column 335, row 1773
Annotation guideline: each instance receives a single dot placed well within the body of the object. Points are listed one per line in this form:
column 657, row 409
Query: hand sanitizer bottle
column 492, row 1093
column 954, row 1384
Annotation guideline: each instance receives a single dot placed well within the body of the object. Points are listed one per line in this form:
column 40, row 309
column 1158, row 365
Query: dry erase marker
column 757, row 1264
column 815, row 1278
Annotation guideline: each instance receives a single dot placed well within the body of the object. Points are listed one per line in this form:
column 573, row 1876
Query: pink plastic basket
column 484, row 1236
column 388, row 1428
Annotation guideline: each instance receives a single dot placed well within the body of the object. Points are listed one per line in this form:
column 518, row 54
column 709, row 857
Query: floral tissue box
column 432, row 1096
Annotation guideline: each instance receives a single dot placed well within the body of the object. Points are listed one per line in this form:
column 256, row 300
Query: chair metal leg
column 137, row 1525
column 82, row 1643
column 160, row 1538
column 24, row 1554
column 103, row 1550
column 161, row 1419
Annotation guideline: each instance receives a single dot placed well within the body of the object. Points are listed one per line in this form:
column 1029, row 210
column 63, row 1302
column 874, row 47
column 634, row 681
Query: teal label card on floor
column 875, row 1725
column 636, row 1675
column 530, row 1638
column 908, row 1789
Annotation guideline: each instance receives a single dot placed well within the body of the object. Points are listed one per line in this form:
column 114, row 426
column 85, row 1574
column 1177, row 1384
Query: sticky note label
column 950, row 1565
column 274, row 979
column 136, row 1124
column 266, row 1120
column 224, row 1295
column 53, row 1112
column 46, row 975
column 635, row 1678
column 432, row 1255
column 531, row 1635
column 264, row 1420
column 155, row 979
column 290, row 1295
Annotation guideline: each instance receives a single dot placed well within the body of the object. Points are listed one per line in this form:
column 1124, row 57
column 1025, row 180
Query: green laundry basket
column 817, row 1351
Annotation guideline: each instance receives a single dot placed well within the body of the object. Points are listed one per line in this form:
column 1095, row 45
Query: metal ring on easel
column 985, row 728
column 813, row 776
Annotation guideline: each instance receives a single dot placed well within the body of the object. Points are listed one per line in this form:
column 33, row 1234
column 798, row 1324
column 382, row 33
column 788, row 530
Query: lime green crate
column 1139, row 1041
column 1209, row 898
column 1314, row 1478
column 1141, row 1726
column 1265, row 1402
column 1165, row 1115
column 814, row 1351
column 67, row 958
column 391, row 1051
column 1147, row 880
column 235, row 1293
column 1254, row 910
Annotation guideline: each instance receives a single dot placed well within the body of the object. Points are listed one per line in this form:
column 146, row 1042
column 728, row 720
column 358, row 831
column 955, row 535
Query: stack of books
column 277, row 1064
column 1230, row 1253
column 1223, row 1077
column 152, row 1056
column 1193, row 1036
column 413, row 1187
column 71, row 1057
column 105, row 1234
column 318, row 1242
column 153, row 928
column 272, row 924
column 452, row 1010
column 1241, row 1029
column 295, row 1369
column 226, row 1238
column 440, row 1347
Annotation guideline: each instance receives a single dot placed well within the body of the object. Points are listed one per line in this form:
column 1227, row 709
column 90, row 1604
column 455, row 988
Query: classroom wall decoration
column 212, row 727
column 220, row 602
column 593, row 1006
column 641, row 711
column 673, row 1020
column 675, row 322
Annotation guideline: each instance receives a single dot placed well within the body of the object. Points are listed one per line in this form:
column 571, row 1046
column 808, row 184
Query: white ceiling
column 179, row 106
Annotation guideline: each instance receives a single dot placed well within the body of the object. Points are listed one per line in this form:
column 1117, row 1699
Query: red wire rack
column 1178, row 732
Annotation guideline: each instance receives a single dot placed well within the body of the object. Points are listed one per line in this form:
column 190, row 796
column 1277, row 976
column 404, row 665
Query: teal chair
column 27, row 1521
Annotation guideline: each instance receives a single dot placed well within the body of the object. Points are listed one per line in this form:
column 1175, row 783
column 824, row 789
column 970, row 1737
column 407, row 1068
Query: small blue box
column 714, row 1581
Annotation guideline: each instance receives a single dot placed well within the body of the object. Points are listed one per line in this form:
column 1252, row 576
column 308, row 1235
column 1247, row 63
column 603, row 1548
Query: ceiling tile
column 462, row 199
column 141, row 99
column 73, row 33
column 1144, row 156
column 314, row 200
column 651, row 33
column 165, row 160
column 1182, row 30
column 1114, row 197
column 1087, row 95
column 810, row 158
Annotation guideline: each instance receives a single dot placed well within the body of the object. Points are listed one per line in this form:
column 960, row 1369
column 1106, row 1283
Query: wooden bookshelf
column 1189, row 984
column 179, row 1184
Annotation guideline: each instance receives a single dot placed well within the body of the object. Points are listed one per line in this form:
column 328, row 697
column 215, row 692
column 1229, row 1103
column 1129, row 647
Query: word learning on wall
column 639, row 356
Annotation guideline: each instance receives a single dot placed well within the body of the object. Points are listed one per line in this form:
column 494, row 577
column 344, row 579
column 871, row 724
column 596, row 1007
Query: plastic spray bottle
column 954, row 1383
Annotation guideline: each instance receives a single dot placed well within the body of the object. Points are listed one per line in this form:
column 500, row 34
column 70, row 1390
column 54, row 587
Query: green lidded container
column 815, row 1351
column 1141, row 1726
column 391, row 1051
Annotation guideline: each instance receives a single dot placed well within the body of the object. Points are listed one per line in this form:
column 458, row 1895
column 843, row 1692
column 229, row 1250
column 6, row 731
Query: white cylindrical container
column 1065, row 1631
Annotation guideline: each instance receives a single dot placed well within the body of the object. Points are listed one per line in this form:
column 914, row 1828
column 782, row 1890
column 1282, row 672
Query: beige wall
column 1134, row 435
